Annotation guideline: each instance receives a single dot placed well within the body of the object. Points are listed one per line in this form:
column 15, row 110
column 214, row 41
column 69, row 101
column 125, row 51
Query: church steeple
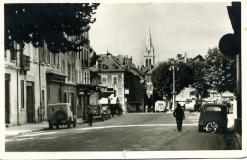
column 149, row 56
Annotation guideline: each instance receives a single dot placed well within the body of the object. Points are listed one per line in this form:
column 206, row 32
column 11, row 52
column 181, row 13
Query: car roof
column 213, row 105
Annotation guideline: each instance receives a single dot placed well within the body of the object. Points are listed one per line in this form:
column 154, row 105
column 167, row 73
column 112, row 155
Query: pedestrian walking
column 179, row 115
column 90, row 115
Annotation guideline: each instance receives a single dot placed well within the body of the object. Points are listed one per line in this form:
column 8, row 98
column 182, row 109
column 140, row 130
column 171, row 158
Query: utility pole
column 173, row 68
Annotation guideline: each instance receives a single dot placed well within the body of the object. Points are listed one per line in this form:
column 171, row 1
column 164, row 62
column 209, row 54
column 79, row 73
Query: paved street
column 131, row 132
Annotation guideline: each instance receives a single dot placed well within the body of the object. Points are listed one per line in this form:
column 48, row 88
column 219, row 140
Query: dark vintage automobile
column 213, row 113
column 60, row 114
column 106, row 111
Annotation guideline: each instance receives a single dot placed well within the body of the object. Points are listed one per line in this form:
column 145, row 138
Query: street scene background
column 111, row 77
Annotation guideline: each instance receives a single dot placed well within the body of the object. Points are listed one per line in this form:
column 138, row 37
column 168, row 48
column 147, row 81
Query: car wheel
column 50, row 125
column 200, row 128
column 74, row 124
column 68, row 124
column 57, row 126
column 224, row 130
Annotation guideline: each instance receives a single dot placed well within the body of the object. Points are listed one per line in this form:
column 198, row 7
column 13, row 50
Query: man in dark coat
column 179, row 115
column 90, row 115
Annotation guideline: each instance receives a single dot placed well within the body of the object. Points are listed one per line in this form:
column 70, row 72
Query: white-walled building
column 34, row 78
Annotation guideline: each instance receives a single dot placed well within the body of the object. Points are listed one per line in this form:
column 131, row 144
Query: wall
column 119, row 87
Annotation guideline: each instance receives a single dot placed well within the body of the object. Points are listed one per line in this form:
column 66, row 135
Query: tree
column 163, row 79
column 199, row 70
column 220, row 74
column 56, row 25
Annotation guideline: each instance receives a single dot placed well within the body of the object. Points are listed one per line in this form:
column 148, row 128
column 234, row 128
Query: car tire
column 74, row 124
column 68, row 124
column 200, row 128
column 50, row 125
column 57, row 126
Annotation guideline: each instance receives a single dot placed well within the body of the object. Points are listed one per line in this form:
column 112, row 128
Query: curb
column 30, row 131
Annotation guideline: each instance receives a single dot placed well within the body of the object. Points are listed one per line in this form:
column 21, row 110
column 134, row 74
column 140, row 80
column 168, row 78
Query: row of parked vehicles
column 62, row 114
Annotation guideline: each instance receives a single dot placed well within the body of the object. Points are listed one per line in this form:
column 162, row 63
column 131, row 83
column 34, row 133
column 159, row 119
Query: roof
column 197, row 58
column 155, row 66
column 212, row 104
column 135, row 71
column 109, row 63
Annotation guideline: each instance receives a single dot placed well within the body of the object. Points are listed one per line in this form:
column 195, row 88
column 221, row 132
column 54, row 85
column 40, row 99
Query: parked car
column 160, row 106
column 97, row 112
column 106, row 112
column 213, row 113
column 198, row 104
column 60, row 114
column 190, row 105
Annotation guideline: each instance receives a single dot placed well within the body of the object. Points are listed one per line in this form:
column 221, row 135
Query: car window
column 216, row 109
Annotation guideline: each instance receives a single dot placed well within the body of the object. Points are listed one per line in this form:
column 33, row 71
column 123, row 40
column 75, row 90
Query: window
column 103, row 79
column 216, row 109
column 88, row 78
column 22, row 94
column 48, row 95
column 73, row 72
column 114, row 80
column 81, row 76
column 77, row 76
column 48, row 55
column 146, row 62
column 149, row 61
column 52, row 58
column 13, row 53
column 63, row 67
column 43, row 99
column 85, row 76
column 69, row 72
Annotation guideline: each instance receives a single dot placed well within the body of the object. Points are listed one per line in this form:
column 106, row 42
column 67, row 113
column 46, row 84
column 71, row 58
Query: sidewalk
column 26, row 128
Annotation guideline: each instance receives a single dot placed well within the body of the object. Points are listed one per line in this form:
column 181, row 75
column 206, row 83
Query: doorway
column 30, row 102
column 72, row 102
column 7, row 98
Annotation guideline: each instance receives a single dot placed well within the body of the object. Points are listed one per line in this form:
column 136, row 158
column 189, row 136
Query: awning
column 53, row 76
column 103, row 101
column 86, row 88
column 114, row 100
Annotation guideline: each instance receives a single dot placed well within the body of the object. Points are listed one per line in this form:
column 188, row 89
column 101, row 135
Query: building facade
column 35, row 78
column 111, row 73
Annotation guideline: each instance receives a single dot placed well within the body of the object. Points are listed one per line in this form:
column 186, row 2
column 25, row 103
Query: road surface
column 131, row 132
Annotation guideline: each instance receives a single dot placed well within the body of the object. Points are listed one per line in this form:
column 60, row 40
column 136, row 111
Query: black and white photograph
column 124, row 79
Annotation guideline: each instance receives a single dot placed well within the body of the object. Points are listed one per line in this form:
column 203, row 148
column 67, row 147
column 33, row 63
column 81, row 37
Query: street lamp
column 173, row 68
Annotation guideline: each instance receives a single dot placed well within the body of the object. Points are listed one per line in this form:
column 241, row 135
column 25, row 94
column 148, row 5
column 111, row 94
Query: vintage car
column 106, row 111
column 213, row 113
column 60, row 114
column 161, row 106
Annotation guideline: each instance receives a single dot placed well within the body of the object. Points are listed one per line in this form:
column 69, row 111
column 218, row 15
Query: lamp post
column 173, row 68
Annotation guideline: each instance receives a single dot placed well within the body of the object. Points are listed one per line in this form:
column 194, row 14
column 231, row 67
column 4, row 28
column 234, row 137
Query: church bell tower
column 149, row 56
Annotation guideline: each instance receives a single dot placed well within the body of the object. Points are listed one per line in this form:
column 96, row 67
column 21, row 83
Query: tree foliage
column 220, row 73
column 217, row 72
column 51, row 24
column 199, row 70
column 162, row 78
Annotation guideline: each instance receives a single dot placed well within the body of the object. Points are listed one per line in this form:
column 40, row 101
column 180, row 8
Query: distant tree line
column 216, row 72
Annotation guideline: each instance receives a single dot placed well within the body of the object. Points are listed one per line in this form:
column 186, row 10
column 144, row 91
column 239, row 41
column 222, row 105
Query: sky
column 175, row 28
